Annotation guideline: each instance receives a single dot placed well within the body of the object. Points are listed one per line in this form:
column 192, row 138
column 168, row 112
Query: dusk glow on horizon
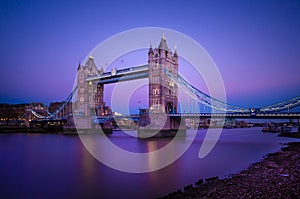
column 254, row 44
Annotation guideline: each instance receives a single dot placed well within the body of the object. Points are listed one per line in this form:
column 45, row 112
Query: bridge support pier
column 83, row 123
column 160, row 125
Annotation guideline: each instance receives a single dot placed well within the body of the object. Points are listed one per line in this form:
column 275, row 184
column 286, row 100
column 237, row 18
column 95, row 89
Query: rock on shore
column 276, row 176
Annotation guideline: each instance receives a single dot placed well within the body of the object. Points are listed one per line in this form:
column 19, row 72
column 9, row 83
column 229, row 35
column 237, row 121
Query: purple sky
column 255, row 44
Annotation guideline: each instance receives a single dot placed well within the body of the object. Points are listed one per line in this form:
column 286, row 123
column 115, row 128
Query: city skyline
column 255, row 45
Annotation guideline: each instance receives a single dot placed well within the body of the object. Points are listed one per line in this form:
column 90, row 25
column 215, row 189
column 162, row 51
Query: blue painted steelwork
column 57, row 111
column 203, row 98
column 219, row 105
column 122, row 72
column 285, row 105
column 123, row 78
column 239, row 115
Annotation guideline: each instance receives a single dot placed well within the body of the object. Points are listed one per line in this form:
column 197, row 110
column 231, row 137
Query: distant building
column 11, row 114
column 14, row 114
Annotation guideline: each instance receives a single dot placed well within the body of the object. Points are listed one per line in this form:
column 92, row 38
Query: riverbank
column 52, row 130
column 290, row 134
column 276, row 176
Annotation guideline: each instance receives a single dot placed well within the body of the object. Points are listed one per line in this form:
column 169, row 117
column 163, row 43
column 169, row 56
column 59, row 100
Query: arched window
column 156, row 91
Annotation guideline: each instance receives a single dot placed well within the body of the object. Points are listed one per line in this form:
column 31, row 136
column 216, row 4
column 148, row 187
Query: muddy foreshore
column 275, row 176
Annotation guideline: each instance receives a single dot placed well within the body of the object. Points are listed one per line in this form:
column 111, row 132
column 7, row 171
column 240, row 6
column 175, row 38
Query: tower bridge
column 162, row 91
column 164, row 82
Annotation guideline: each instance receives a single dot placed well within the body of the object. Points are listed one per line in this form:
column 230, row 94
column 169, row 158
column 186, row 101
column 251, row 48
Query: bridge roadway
column 222, row 115
column 137, row 72
column 142, row 71
column 239, row 115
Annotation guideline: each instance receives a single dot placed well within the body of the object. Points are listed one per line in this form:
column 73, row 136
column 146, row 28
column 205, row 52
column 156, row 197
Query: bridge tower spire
column 163, row 93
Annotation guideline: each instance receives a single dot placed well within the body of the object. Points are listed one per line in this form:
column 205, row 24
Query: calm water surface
column 58, row 166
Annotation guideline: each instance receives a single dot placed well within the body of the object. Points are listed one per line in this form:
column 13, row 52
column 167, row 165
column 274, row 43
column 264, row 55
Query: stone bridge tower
column 90, row 94
column 163, row 92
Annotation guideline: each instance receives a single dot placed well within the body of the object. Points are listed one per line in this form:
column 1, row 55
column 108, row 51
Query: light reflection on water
column 57, row 166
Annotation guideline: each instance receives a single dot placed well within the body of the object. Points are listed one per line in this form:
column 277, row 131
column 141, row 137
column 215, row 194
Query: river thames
column 59, row 166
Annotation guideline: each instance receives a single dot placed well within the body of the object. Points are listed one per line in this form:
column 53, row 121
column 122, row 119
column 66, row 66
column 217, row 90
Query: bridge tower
column 90, row 94
column 163, row 92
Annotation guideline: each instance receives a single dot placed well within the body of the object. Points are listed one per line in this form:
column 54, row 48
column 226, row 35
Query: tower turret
column 79, row 66
column 175, row 56
column 101, row 70
column 150, row 52
column 90, row 66
column 163, row 43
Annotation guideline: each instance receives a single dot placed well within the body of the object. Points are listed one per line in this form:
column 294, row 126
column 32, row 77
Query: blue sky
column 255, row 44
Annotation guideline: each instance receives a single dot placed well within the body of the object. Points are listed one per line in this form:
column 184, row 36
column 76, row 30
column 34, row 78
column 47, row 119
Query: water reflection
column 57, row 166
column 153, row 160
column 88, row 165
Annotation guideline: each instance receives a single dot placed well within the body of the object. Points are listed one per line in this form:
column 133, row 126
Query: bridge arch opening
column 169, row 108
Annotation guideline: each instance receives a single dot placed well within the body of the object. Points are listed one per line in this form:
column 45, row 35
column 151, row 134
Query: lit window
column 156, row 91
column 156, row 103
column 81, row 99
